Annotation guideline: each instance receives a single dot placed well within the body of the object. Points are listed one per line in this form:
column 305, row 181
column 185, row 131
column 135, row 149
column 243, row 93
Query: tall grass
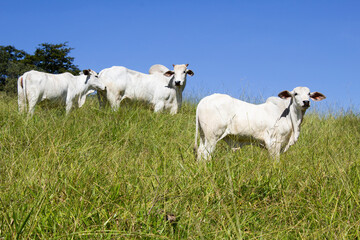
column 100, row 174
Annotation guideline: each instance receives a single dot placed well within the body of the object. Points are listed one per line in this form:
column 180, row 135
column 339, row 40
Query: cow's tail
column 22, row 98
column 196, row 134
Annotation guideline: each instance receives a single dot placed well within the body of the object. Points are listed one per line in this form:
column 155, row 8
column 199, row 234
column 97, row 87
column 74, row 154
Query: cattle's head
column 179, row 74
column 92, row 79
column 301, row 97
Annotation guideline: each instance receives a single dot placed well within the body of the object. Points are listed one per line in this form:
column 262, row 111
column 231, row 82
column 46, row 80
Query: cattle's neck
column 296, row 117
column 86, row 86
column 179, row 97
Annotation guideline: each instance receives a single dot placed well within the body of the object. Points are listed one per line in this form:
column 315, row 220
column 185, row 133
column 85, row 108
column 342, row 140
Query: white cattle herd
column 274, row 125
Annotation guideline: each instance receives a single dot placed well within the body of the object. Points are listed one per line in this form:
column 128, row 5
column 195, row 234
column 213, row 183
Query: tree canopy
column 50, row 58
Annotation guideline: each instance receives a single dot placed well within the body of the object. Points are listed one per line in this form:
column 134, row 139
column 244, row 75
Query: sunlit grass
column 132, row 174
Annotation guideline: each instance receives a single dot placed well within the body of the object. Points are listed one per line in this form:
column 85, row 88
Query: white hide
column 162, row 88
column 34, row 87
column 274, row 124
column 158, row 68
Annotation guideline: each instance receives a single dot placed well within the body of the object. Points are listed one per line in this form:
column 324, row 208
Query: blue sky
column 247, row 49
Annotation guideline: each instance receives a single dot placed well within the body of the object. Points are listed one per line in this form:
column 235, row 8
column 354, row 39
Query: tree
column 51, row 58
column 11, row 67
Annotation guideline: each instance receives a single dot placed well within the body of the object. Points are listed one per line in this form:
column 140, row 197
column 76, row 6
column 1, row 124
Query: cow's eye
column 184, row 71
column 295, row 94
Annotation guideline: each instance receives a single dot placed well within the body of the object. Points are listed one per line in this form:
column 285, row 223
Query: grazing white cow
column 274, row 124
column 162, row 88
column 34, row 87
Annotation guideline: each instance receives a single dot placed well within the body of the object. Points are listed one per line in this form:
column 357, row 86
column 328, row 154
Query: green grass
column 97, row 174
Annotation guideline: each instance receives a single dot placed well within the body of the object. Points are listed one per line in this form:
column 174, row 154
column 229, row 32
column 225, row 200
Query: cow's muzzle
column 306, row 104
column 177, row 83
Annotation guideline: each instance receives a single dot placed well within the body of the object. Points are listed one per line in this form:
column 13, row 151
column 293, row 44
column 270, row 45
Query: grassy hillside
column 99, row 174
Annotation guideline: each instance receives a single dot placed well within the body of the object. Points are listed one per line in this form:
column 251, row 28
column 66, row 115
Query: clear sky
column 251, row 49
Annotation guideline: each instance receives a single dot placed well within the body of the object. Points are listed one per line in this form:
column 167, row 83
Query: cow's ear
column 191, row 73
column 285, row 94
column 316, row 96
column 86, row 72
column 169, row 73
column 187, row 65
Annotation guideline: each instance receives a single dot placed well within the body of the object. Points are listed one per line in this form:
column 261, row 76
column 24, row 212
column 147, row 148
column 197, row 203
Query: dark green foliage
column 11, row 67
column 51, row 58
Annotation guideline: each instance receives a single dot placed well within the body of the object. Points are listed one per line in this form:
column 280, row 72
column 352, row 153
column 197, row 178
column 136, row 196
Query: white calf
column 34, row 87
column 274, row 124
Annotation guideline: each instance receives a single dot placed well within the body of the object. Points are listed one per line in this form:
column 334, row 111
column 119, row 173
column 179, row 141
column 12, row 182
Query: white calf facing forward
column 274, row 124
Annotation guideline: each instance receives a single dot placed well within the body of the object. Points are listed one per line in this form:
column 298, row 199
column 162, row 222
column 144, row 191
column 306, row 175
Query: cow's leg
column 201, row 148
column 275, row 153
column 69, row 104
column 21, row 95
column 159, row 106
column 116, row 104
column 114, row 100
column 209, row 147
column 21, row 101
column 174, row 110
column 33, row 99
column 32, row 102
column 274, row 148
column 205, row 149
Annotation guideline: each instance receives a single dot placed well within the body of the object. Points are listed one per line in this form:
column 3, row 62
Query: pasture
column 100, row 174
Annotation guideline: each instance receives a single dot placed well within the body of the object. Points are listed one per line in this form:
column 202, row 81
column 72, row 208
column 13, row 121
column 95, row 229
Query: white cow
column 162, row 88
column 34, row 87
column 274, row 124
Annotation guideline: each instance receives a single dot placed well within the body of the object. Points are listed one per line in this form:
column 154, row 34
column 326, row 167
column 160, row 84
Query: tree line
column 51, row 58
